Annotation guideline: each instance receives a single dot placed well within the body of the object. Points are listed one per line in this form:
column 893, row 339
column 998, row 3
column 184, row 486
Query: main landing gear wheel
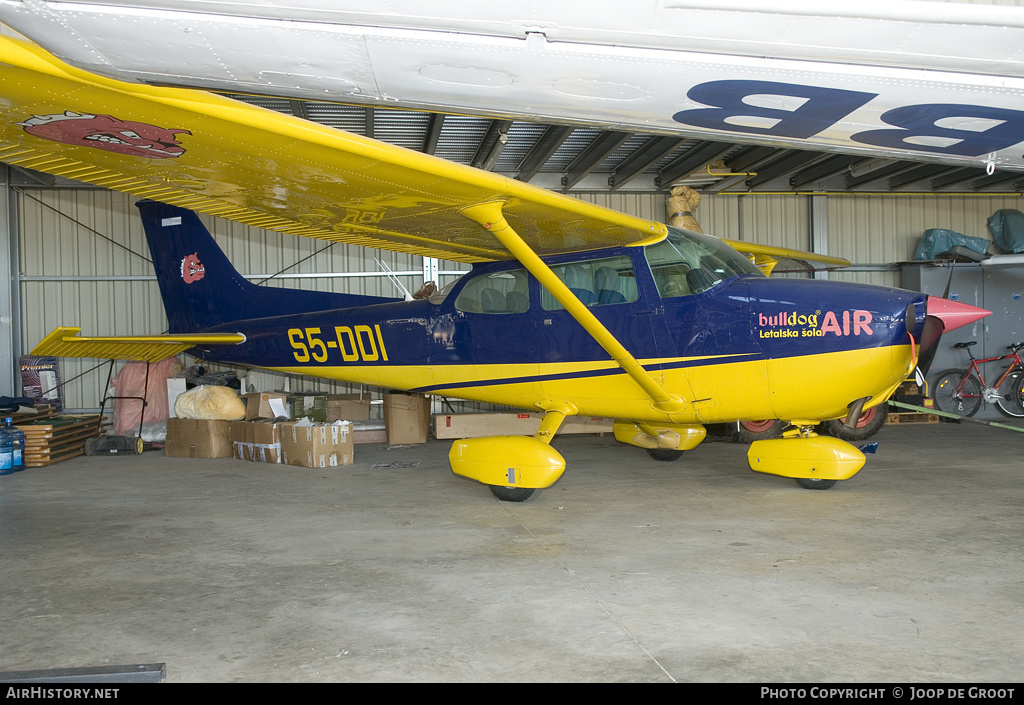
column 750, row 431
column 665, row 454
column 514, row 494
column 812, row 484
column 870, row 423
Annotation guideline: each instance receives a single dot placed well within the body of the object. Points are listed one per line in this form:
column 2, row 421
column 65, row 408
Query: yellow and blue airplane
column 569, row 308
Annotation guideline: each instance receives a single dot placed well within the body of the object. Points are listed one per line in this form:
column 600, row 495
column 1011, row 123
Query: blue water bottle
column 6, row 453
column 18, row 444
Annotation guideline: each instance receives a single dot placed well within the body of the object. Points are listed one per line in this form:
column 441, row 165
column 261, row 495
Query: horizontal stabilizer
column 65, row 342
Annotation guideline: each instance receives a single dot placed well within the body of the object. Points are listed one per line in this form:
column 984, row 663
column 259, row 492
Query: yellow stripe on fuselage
column 807, row 387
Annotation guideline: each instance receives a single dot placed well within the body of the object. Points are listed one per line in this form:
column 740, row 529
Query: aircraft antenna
column 394, row 279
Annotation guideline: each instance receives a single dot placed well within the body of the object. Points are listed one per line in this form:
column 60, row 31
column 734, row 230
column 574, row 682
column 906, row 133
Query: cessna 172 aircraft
column 570, row 308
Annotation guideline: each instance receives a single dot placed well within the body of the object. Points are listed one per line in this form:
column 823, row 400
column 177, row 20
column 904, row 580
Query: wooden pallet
column 53, row 455
column 43, row 411
column 51, row 440
column 911, row 417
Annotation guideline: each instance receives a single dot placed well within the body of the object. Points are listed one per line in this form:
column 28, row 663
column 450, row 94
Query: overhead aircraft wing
column 933, row 81
column 218, row 156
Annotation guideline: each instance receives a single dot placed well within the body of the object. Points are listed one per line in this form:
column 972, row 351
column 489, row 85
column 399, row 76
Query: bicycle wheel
column 1011, row 400
column 1011, row 394
column 957, row 392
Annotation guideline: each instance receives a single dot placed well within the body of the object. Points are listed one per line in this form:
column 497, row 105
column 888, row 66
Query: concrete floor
column 627, row 570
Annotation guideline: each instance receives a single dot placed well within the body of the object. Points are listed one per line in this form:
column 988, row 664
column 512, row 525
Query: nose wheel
column 665, row 454
column 810, row 484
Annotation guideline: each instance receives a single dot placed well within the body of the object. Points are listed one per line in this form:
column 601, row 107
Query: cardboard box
column 198, row 438
column 447, row 426
column 256, row 441
column 348, row 407
column 260, row 405
column 406, row 418
column 266, row 442
column 317, row 445
column 240, row 448
column 310, row 406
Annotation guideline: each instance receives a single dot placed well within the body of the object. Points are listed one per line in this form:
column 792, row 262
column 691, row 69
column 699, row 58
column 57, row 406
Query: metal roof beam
column 299, row 109
column 590, row 158
column 918, row 173
column 751, row 157
column 996, row 178
column 542, row 150
column 778, row 168
column 368, row 117
column 822, row 170
column 492, row 144
column 884, row 171
column 695, row 158
column 956, row 176
column 434, row 127
column 745, row 165
column 639, row 161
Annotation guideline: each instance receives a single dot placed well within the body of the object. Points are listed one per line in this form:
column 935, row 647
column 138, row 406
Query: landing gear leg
column 662, row 442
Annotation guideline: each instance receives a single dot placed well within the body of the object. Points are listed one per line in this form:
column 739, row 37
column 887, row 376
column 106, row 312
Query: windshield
column 687, row 263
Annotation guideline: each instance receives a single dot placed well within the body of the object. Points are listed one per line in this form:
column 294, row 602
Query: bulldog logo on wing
column 136, row 139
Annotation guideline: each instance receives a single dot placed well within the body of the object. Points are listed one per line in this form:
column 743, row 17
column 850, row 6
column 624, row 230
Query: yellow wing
column 65, row 342
column 768, row 258
column 218, row 156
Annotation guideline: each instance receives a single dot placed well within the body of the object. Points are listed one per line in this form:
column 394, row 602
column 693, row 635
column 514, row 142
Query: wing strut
column 489, row 216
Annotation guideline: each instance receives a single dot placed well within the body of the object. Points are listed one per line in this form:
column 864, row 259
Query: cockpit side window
column 498, row 292
column 596, row 282
column 439, row 296
column 688, row 263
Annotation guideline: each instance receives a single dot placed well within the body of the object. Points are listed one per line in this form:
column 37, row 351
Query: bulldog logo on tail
column 192, row 270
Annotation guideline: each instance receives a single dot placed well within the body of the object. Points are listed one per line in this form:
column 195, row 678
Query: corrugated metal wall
column 878, row 229
column 84, row 259
column 867, row 229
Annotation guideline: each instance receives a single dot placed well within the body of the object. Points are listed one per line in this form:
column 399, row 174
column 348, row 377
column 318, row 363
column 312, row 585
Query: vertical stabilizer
column 200, row 287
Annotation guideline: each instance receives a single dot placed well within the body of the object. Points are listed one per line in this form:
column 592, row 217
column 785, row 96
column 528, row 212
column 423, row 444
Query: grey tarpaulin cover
column 937, row 240
column 1007, row 228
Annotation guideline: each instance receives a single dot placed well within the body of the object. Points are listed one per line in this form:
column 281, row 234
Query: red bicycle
column 961, row 391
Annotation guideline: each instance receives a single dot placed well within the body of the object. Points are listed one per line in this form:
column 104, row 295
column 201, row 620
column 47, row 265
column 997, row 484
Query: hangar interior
column 393, row 569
